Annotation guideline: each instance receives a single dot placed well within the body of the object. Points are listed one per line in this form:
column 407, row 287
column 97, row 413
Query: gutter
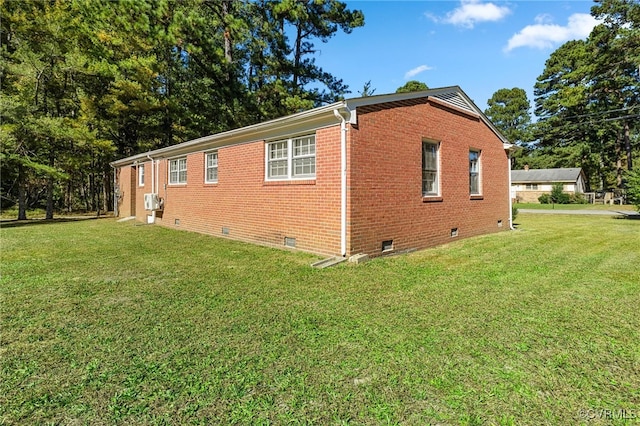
column 510, row 148
column 343, row 114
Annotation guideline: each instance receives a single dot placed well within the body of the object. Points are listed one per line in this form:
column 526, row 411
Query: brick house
column 366, row 175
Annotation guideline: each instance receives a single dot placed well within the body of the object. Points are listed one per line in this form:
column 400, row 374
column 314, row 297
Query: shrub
column 545, row 199
column 558, row 196
column 577, row 199
column 514, row 212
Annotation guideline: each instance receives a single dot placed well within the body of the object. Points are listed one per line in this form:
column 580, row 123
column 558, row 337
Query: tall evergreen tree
column 83, row 79
column 509, row 111
column 588, row 97
column 44, row 73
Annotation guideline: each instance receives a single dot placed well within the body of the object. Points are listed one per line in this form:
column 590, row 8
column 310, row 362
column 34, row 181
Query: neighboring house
column 529, row 184
column 367, row 175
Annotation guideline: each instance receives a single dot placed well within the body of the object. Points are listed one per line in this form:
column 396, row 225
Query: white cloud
column 545, row 35
column 471, row 12
column 416, row 71
column 543, row 18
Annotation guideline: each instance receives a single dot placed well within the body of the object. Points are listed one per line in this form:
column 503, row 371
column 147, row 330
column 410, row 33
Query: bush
column 577, row 199
column 558, row 196
column 514, row 213
column 545, row 199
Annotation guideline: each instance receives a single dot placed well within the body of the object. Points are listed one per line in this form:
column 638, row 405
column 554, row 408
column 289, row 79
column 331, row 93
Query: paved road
column 591, row 212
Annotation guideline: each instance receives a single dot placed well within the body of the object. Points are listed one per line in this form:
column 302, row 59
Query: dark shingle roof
column 545, row 175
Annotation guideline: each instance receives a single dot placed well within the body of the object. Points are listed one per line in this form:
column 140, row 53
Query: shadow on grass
column 15, row 223
column 632, row 216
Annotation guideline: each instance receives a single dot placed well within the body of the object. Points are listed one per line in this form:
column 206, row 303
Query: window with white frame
column 293, row 158
column 211, row 164
column 474, row 172
column 177, row 171
column 141, row 175
column 531, row 186
column 430, row 169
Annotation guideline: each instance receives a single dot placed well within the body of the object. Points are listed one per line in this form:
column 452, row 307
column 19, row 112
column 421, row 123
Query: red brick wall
column 386, row 177
column 255, row 210
column 127, row 182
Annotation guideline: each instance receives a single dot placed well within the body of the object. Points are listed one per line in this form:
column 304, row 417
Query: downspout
column 509, row 148
column 343, row 180
column 153, row 187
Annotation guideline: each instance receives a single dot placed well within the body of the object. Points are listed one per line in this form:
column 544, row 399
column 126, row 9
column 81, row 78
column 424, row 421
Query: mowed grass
column 538, row 206
column 112, row 323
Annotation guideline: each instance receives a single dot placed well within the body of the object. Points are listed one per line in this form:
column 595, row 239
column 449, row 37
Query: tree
column 316, row 19
column 562, row 104
column 633, row 187
column 616, row 45
column 588, row 94
column 412, row 86
column 86, row 81
column 367, row 90
column 509, row 111
column 44, row 74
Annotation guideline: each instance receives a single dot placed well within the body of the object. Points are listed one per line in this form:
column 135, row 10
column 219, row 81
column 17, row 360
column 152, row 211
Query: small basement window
column 289, row 242
column 454, row 232
column 387, row 245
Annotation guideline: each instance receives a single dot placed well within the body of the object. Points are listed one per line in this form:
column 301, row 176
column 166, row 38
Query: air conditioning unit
column 151, row 202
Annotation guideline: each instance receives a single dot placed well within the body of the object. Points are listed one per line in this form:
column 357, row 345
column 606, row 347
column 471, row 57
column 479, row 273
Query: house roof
column 327, row 115
column 546, row 175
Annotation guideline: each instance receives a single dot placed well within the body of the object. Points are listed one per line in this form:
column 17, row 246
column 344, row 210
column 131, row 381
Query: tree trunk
column 619, row 161
column 297, row 56
column 627, row 146
column 92, row 190
column 106, row 190
column 49, row 213
column 227, row 33
column 22, row 196
column 69, row 196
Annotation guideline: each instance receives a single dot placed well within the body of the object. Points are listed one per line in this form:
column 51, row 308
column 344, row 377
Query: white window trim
column 479, row 172
column 141, row 172
column 439, row 167
column 206, row 166
column 290, row 158
column 169, row 171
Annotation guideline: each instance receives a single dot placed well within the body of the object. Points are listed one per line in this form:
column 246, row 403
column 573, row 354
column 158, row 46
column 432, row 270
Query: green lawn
column 111, row 323
column 538, row 206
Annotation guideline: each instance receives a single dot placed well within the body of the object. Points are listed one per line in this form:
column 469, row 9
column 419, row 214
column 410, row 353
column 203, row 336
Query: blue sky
column 481, row 46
